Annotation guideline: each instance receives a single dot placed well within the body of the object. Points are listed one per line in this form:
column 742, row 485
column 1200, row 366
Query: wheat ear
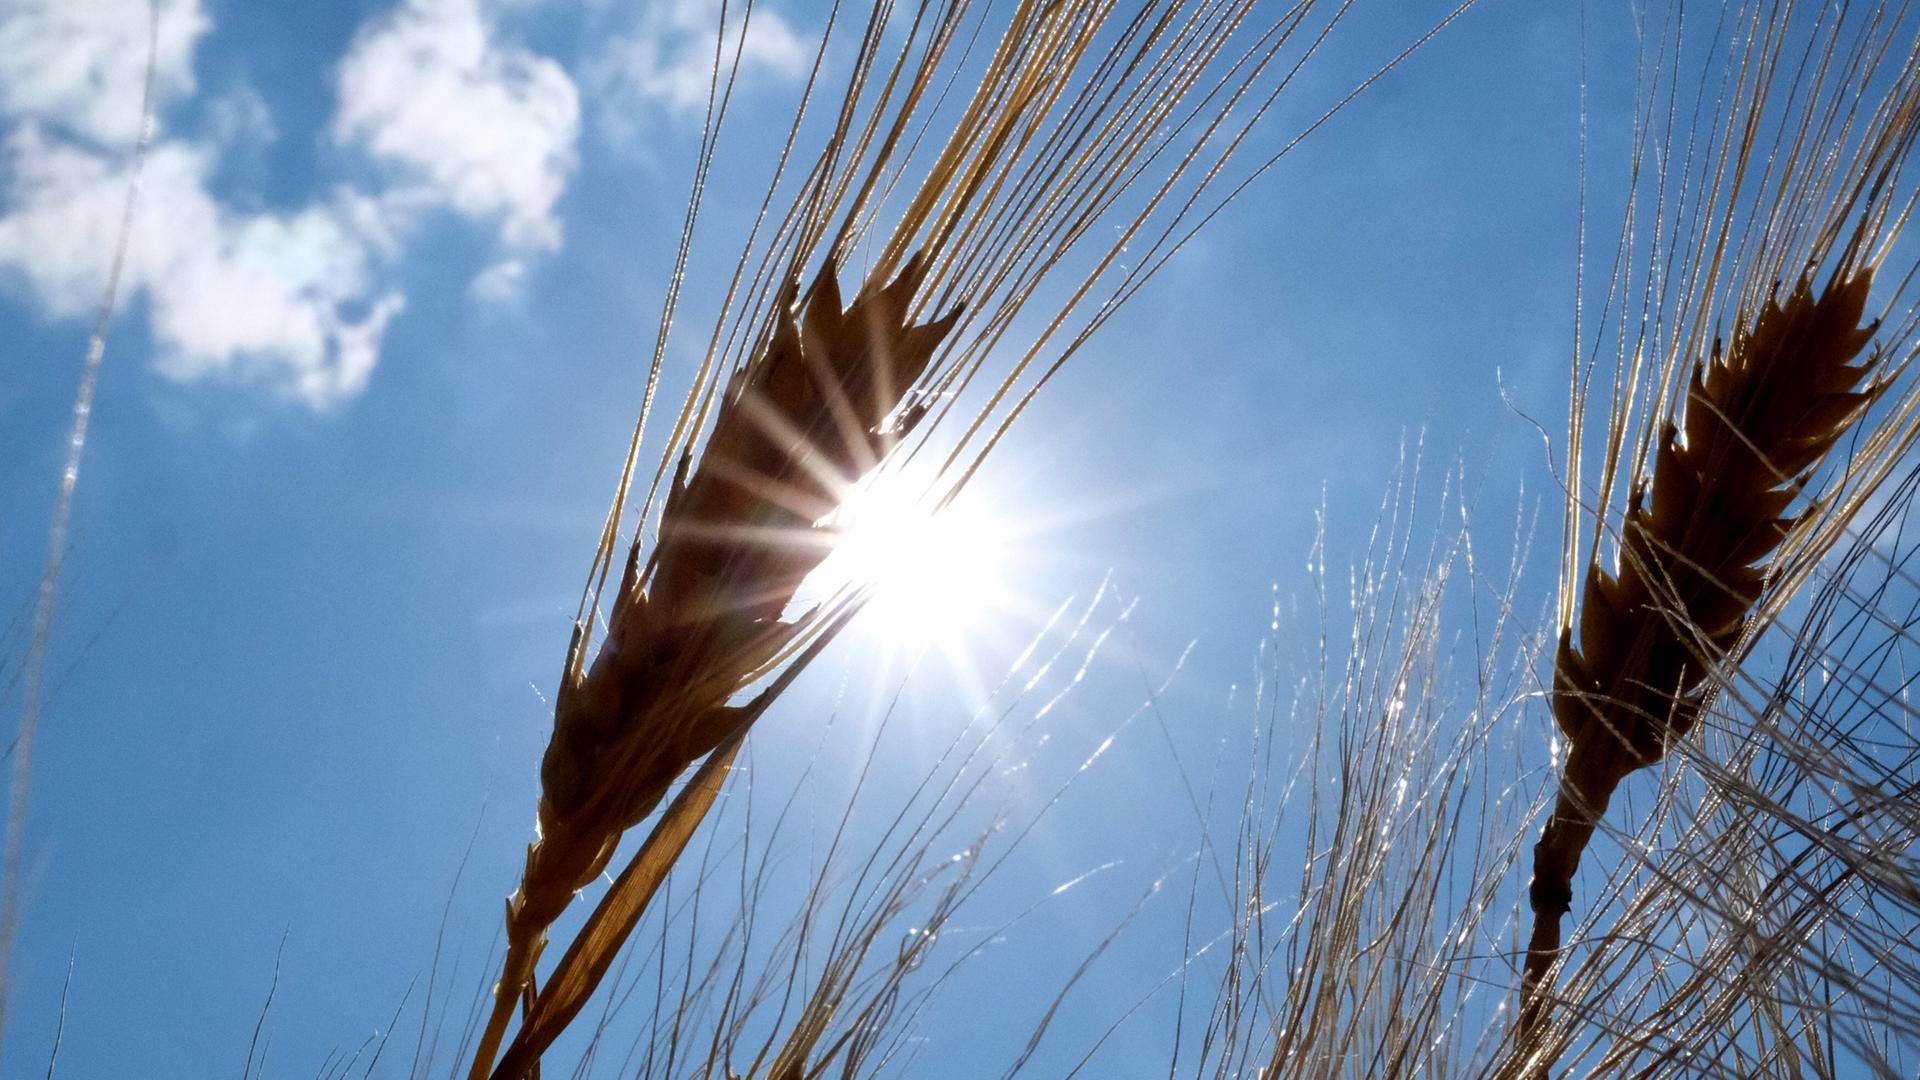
column 701, row 621
column 1694, row 555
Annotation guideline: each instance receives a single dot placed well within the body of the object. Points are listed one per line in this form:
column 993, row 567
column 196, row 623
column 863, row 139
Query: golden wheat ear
column 1694, row 556
column 701, row 621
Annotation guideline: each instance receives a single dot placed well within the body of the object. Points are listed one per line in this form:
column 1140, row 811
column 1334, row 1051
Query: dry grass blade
column 34, row 668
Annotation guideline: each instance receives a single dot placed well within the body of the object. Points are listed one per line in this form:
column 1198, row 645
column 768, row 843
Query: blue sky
column 386, row 312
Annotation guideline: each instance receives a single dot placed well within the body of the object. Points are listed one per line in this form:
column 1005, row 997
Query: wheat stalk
column 46, row 595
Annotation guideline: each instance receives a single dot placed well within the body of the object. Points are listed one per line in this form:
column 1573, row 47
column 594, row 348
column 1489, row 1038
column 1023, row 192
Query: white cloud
column 287, row 299
column 291, row 299
column 82, row 63
column 668, row 58
column 485, row 128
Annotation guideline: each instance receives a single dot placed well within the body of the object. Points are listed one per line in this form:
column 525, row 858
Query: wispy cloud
column 666, row 59
column 500, row 281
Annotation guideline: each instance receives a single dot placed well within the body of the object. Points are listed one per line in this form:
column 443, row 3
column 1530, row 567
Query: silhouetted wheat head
column 1694, row 557
column 702, row 620
column 1775, row 199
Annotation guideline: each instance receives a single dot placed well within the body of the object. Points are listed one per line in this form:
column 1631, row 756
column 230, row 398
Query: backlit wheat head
column 1758, row 349
column 1020, row 151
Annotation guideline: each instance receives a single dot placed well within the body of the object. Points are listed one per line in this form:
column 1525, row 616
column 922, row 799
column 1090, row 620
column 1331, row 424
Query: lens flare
column 933, row 575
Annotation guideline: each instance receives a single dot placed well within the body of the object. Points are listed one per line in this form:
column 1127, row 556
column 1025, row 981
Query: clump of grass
column 1759, row 921
column 1374, row 951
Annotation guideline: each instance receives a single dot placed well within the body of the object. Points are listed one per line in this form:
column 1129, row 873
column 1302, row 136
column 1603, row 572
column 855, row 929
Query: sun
column 932, row 574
